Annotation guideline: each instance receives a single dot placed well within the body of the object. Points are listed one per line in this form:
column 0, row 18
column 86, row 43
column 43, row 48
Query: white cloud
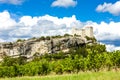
column 6, row 22
column 28, row 20
column 112, row 47
column 14, row 2
column 47, row 25
column 28, row 26
column 106, row 31
column 109, row 7
column 65, row 20
column 1, row 40
column 64, row 3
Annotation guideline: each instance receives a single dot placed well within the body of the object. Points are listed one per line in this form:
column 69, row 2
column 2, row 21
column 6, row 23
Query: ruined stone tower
column 87, row 31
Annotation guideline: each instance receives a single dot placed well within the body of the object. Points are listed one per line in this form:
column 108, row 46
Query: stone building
column 87, row 31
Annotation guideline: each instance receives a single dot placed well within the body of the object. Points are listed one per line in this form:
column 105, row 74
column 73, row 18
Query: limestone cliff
column 30, row 47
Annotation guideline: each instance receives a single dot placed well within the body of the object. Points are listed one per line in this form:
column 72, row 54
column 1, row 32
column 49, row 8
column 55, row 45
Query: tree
column 8, row 61
column 42, row 38
column 20, row 40
column 48, row 38
column 66, row 35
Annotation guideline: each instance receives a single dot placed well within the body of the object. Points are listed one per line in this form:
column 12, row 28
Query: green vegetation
column 77, row 35
column 20, row 40
column 109, row 75
column 93, row 39
column 57, row 36
column 91, row 58
column 66, row 35
column 84, row 58
column 45, row 38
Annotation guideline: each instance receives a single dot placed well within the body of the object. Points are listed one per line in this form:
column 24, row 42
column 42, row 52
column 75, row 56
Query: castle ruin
column 30, row 47
column 87, row 31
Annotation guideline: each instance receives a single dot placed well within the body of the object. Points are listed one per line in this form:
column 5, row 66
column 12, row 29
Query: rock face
column 30, row 47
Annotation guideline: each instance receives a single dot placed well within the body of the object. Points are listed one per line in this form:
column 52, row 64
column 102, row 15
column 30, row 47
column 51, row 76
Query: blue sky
column 84, row 9
column 28, row 18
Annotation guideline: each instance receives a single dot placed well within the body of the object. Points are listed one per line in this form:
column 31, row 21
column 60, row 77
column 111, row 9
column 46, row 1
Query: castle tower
column 89, row 31
column 79, row 32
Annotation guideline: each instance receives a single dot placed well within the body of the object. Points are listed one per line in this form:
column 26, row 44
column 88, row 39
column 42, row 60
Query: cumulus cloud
column 47, row 25
column 64, row 3
column 112, row 47
column 109, row 7
column 6, row 22
column 1, row 40
column 28, row 26
column 14, row 2
column 106, row 31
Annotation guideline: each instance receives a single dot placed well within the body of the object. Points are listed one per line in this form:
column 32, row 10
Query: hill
column 42, row 45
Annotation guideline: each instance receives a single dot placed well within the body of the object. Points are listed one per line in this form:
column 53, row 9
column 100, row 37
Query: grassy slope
column 109, row 75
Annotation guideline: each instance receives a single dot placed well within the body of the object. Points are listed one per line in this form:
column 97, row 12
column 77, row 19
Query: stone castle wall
column 87, row 31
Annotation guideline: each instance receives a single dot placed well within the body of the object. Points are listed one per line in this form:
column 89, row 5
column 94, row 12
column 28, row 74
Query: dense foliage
column 85, row 58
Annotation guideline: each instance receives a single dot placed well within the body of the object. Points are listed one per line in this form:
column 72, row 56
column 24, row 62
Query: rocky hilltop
column 32, row 46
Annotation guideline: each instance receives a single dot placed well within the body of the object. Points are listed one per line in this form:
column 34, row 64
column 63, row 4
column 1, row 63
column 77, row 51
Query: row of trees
column 44, row 38
column 96, row 58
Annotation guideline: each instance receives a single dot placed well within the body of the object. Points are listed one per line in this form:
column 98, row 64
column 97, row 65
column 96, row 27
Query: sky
column 23, row 19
